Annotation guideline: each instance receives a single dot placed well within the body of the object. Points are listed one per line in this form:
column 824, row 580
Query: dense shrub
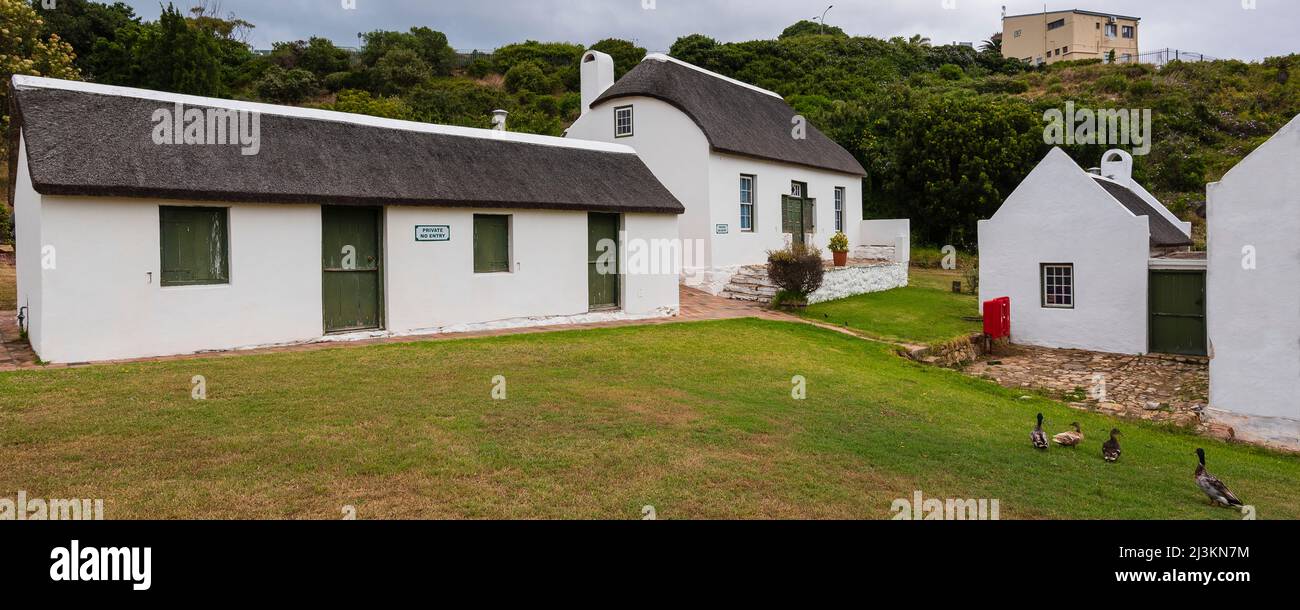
column 286, row 86
column 798, row 271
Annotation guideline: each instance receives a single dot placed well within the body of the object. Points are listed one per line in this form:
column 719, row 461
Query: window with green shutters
column 491, row 243
column 195, row 246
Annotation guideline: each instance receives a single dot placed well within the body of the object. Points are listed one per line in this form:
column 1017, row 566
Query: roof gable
column 736, row 117
column 1163, row 233
column 92, row 140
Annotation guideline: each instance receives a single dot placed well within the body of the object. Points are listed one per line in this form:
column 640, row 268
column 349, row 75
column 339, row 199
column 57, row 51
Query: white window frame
column 840, row 196
column 1058, row 275
column 753, row 183
column 619, row 125
column 796, row 190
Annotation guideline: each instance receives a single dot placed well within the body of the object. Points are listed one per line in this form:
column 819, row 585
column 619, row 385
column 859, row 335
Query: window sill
column 185, row 287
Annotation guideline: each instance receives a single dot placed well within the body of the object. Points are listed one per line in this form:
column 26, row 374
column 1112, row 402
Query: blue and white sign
column 432, row 233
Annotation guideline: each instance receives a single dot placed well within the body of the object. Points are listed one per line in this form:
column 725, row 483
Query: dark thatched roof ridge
column 735, row 118
column 1163, row 233
column 90, row 140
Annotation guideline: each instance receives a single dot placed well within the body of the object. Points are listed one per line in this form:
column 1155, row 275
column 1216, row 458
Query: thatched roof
column 97, row 140
column 1163, row 233
column 735, row 117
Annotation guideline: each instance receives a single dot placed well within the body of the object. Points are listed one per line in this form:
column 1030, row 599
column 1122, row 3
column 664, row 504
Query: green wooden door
column 602, row 262
column 1178, row 313
column 793, row 218
column 352, row 265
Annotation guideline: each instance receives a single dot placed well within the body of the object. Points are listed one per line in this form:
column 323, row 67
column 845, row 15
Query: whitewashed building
column 1254, row 299
column 753, row 175
column 143, row 231
column 1093, row 261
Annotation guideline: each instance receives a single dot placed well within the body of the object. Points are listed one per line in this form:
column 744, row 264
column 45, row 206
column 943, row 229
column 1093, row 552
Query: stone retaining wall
column 844, row 282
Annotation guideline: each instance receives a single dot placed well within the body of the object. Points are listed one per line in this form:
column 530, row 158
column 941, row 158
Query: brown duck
column 1110, row 449
column 1212, row 486
column 1071, row 438
column 1038, row 437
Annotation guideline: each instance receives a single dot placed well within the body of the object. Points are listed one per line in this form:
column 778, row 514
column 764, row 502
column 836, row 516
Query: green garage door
column 351, row 265
column 1178, row 313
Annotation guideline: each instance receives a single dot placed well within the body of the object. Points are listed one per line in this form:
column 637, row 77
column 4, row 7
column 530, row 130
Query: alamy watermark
column 24, row 508
column 1106, row 126
column 919, row 508
column 208, row 126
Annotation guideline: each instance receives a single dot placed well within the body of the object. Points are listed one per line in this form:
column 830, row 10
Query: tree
column 431, row 47
column 993, row 44
column 527, row 76
column 695, row 49
column 626, row 55
column 811, row 28
column 400, row 69
column 85, row 24
column 286, row 86
column 322, row 58
column 179, row 57
column 361, row 102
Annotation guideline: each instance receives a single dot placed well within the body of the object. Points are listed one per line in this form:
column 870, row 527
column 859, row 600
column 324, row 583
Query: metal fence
column 1162, row 57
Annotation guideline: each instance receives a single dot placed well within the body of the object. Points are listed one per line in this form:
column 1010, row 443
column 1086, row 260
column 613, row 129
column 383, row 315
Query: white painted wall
column 27, row 245
column 674, row 149
column 1060, row 215
column 1254, row 315
column 773, row 180
column 101, row 304
column 880, row 234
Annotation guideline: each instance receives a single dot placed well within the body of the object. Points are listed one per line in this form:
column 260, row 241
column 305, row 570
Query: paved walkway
column 695, row 306
column 1156, row 388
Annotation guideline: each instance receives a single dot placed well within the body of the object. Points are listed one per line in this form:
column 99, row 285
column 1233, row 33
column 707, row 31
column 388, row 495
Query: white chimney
column 597, row 76
column 499, row 119
column 1118, row 166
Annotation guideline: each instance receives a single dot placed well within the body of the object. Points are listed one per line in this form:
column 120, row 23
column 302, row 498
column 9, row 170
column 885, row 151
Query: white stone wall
column 844, row 282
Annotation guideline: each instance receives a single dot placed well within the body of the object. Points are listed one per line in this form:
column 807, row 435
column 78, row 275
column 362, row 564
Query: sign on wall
column 722, row 229
column 432, row 233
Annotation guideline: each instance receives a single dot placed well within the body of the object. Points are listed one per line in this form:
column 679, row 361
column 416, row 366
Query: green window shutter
column 491, row 243
column 810, row 214
column 195, row 244
column 789, row 205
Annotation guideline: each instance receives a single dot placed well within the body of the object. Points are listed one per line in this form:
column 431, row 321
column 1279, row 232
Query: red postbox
column 997, row 318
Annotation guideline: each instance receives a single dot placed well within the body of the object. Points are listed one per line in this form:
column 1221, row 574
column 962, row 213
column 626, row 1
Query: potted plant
column 797, row 272
column 840, row 249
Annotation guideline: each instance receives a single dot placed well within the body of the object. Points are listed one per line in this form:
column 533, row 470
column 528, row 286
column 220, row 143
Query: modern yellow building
column 1040, row 38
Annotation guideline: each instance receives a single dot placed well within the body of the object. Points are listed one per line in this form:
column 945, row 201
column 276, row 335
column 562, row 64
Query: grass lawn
column 694, row 419
column 921, row 314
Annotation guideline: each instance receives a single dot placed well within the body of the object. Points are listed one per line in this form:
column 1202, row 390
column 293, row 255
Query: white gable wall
column 1254, row 315
column 1060, row 215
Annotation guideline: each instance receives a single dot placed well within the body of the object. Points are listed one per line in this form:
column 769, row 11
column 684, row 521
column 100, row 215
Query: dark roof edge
column 290, row 198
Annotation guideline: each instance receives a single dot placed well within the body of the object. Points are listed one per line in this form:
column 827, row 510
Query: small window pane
column 1058, row 286
column 623, row 122
column 839, row 208
column 747, row 203
column 491, row 243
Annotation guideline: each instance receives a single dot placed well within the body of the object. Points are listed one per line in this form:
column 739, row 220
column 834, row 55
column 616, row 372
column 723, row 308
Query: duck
column 1212, row 486
column 1038, row 437
column 1071, row 438
column 1110, row 449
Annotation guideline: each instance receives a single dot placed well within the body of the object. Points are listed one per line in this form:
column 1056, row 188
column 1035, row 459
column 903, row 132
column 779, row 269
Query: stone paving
column 1169, row 389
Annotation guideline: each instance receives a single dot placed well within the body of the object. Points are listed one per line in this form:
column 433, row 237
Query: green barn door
column 1178, row 313
column 351, row 262
column 602, row 275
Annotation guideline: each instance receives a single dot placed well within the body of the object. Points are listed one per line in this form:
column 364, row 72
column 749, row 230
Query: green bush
column 527, row 76
column 286, row 86
column 798, row 270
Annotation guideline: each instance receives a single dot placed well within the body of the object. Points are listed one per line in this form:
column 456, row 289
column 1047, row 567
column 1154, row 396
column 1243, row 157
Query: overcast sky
column 1220, row 28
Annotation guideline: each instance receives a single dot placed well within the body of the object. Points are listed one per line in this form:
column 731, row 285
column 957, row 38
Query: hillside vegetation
column 945, row 132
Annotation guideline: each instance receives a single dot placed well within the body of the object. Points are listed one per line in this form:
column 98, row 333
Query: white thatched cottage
column 753, row 175
column 152, row 224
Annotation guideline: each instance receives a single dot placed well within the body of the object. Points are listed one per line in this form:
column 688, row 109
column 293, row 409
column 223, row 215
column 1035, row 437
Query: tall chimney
column 597, row 77
column 499, row 119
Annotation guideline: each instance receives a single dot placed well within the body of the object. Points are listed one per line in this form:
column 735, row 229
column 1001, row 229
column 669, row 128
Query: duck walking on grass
column 1212, row 486
column 1039, row 437
column 1069, row 439
column 1110, row 449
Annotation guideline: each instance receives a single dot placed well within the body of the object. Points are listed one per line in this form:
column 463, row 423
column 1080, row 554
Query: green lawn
column 919, row 314
column 8, row 288
column 694, row 419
